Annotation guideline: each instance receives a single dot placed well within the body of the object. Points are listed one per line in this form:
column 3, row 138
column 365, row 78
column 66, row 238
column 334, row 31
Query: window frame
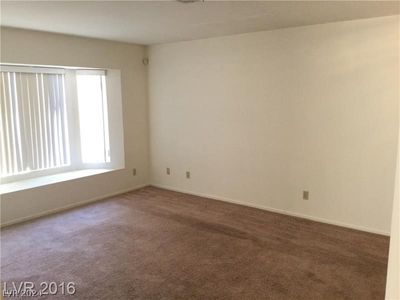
column 114, row 119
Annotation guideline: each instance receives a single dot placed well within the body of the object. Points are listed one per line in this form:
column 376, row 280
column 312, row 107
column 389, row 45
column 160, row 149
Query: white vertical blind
column 33, row 122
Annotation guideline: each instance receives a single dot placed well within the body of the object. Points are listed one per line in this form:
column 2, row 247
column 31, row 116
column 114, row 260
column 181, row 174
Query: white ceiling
column 150, row 22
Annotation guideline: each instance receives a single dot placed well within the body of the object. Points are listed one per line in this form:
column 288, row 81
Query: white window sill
column 50, row 179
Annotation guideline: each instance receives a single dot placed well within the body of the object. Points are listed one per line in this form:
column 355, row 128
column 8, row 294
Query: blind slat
column 27, row 82
column 21, row 103
column 34, row 121
column 15, row 119
column 3, row 126
column 8, row 124
column 46, row 125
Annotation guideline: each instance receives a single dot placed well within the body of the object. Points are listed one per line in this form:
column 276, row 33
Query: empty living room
column 200, row 149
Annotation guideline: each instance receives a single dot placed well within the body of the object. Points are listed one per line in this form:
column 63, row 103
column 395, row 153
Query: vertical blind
column 33, row 122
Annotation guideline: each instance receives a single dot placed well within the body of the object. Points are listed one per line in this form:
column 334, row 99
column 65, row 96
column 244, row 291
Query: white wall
column 32, row 47
column 259, row 117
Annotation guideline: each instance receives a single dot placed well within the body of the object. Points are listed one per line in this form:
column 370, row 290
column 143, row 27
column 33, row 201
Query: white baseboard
column 70, row 206
column 219, row 198
column 280, row 211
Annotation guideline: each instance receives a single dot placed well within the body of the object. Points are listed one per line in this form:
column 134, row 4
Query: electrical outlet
column 306, row 195
column 168, row 171
column 187, row 174
column 134, row 171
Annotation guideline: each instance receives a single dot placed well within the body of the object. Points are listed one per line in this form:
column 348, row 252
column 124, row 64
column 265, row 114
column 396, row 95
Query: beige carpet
column 158, row 244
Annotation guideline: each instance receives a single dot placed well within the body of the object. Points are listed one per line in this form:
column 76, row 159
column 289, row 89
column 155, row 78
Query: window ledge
column 50, row 179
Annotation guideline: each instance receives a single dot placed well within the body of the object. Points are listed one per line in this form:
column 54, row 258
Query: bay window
column 55, row 120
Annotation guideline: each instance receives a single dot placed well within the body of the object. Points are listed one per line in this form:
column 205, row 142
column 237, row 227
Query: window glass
column 93, row 118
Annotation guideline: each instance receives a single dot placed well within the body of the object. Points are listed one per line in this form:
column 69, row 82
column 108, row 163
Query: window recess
column 56, row 120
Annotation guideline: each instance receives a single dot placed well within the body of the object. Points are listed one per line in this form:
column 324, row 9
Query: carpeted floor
column 158, row 244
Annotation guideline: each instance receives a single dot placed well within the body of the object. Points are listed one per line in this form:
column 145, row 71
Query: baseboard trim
column 70, row 206
column 280, row 211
